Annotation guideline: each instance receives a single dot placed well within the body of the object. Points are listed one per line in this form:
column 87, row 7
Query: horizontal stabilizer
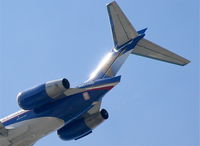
column 122, row 29
column 151, row 50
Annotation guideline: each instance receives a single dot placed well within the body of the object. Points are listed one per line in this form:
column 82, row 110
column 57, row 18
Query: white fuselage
column 27, row 132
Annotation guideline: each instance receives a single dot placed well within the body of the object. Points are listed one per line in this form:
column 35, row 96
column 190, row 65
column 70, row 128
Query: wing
column 4, row 142
column 3, row 136
column 6, row 137
column 149, row 49
column 3, row 131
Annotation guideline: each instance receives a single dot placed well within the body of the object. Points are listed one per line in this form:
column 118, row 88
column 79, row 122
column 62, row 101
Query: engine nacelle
column 82, row 127
column 42, row 94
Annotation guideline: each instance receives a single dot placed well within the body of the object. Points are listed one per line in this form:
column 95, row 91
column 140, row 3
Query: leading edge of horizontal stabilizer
column 151, row 50
column 123, row 32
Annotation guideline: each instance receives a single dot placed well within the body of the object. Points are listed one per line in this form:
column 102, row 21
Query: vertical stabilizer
column 128, row 41
column 122, row 29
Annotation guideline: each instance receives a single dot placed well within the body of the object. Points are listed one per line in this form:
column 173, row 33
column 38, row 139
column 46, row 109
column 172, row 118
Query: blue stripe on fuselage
column 74, row 106
column 100, row 82
column 68, row 108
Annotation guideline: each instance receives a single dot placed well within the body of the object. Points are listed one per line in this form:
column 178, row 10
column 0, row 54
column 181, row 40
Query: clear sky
column 156, row 103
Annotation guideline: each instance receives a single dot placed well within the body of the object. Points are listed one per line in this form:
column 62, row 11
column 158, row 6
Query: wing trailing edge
column 3, row 131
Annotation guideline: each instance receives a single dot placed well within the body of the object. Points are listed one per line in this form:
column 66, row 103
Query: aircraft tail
column 151, row 50
column 129, row 41
column 124, row 32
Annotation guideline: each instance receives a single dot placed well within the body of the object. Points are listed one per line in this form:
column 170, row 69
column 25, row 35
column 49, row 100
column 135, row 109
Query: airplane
column 74, row 112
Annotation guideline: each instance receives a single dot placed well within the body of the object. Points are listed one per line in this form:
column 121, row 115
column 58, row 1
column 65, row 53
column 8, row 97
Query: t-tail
column 129, row 41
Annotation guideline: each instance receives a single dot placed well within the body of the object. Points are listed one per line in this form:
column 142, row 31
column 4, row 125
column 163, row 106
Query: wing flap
column 149, row 49
column 3, row 130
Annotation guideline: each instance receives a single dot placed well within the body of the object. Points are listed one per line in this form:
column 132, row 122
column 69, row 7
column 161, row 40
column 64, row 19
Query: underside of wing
column 3, row 131
column 4, row 142
column 149, row 49
column 3, row 136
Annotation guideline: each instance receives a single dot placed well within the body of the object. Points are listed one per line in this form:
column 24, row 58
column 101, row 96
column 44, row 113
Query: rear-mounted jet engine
column 42, row 94
column 82, row 127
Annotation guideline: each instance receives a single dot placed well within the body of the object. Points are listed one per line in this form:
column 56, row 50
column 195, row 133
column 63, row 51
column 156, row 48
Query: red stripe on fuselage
column 102, row 88
column 23, row 112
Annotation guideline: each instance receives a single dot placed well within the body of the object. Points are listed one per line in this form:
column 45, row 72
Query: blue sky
column 156, row 104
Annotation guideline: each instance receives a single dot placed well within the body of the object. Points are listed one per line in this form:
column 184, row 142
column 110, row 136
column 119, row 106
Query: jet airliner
column 74, row 112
